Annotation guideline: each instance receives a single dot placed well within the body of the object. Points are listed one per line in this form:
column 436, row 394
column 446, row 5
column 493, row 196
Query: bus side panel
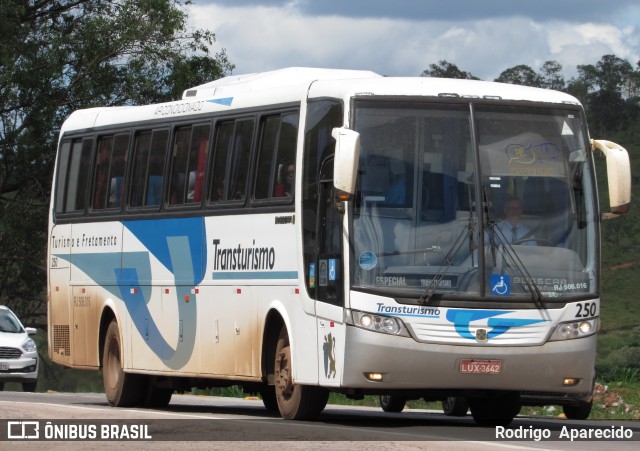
column 252, row 262
column 160, row 278
column 216, row 335
column 95, row 265
column 59, row 308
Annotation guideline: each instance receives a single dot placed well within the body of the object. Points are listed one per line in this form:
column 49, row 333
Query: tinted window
column 148, row 170
column 189, row 157
column 231, row 160
column 276, row 161
column 111, row 162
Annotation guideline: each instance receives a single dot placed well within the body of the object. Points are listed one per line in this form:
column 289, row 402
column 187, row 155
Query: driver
column 511, row 229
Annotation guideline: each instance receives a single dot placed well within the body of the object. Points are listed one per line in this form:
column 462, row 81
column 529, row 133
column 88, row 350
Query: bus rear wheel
column 121, row 389
column 295, row 402
column 455, row 406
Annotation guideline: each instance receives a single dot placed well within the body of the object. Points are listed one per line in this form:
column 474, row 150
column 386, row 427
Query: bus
column 306, row 231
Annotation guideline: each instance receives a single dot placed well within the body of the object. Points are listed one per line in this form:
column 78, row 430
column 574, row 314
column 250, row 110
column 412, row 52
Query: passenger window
column 77, row 179
column 276, row 161
column 231, row 160
column 111, row 161
column 189, row 158
column 148, row 168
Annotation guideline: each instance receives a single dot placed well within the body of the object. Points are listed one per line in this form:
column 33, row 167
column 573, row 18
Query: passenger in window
column 116, row 188
column 286, row 181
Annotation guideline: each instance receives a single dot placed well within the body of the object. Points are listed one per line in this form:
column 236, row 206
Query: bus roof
column 297, row 83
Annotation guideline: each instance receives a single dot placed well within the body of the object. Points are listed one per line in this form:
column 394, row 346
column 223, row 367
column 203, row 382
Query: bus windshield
column 473, row 201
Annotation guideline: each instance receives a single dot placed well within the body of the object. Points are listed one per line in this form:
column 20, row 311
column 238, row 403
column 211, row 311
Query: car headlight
column 575, row 329
column 379, row 323
column 29, row 345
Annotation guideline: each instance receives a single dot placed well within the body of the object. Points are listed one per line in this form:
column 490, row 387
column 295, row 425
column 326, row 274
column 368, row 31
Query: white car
column 18, row 353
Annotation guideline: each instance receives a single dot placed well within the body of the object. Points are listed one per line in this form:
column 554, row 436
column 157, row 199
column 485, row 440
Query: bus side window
column 198, row 162
column 276, row 161
column 78, row 175
column 189, row 158
column 231, row 160
column 117, row 171
column 149, row 156
column 101, row 177
column 239, row 169
column 179, row 159
column 140, row 162
column 110, row 163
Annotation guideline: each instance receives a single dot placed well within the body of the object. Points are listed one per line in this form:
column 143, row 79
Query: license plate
column 4, row 366
column 471, row 366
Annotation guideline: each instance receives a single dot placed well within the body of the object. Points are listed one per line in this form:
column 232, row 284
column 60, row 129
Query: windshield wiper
column 521, row 269
column 447, row 261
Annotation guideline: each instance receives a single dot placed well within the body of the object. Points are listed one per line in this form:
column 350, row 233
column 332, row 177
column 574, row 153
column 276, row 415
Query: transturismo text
column 242, row 257
column 408, row 310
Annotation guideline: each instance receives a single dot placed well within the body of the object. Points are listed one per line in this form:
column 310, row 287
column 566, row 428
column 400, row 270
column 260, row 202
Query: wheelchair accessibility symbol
column 500, row 284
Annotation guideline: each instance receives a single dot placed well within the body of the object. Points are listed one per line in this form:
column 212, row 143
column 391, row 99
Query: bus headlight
column 379, row 323
column 575, row 329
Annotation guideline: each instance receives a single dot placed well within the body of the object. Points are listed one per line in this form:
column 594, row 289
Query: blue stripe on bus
column 226, row 101
column 248, row 275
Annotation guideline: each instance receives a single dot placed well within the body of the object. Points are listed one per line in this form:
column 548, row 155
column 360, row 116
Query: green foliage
column 444, row 69
column 56, row 57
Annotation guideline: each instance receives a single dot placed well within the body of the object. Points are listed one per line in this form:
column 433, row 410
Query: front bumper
column 409, row 365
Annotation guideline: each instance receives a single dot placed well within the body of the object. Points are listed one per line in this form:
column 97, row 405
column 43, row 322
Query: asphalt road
column 198, row 422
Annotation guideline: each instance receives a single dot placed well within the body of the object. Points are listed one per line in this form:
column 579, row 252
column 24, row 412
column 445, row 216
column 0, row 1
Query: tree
column 551, row 76
column 60, row 55
column 601, row 89
column 520, row 75
column 444, row 69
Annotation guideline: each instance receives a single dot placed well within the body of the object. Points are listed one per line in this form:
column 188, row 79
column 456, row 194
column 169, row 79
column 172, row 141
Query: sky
column 403, row 37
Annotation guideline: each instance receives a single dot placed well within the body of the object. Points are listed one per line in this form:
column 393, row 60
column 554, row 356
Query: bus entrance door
column 330, row 290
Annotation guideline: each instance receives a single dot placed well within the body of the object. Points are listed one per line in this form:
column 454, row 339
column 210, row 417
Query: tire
column 392, row 403
column 269, row 400
column 578, row 412
column 455, row 406
column 155, row 397
column 121, row 389
column 499, row 410
column 29, row 386
column 295, row 402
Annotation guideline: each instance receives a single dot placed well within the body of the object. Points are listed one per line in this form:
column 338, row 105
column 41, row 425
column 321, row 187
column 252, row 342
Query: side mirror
column 618, row 176
column 347, row 156
column 30, row 330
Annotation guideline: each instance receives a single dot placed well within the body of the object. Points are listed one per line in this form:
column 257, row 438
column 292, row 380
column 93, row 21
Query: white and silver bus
column 303, row 231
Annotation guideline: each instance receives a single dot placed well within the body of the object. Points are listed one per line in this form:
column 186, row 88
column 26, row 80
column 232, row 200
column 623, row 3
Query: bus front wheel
column 497, row 410
column 121, row 389
column 578, row 412
column 295, row 402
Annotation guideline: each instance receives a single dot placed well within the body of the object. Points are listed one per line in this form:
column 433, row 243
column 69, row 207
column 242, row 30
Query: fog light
column 376, row 377
column 570, row 381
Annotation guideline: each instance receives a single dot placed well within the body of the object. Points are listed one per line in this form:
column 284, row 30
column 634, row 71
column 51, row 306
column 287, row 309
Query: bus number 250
column 586, row 309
